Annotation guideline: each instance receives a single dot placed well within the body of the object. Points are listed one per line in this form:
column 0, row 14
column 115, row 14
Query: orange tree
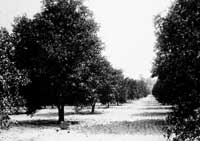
column 51, row 47
column 177, row 67
column 10, row 77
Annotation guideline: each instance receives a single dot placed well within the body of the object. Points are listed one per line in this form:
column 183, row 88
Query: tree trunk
column 117, row 103
column 93, row 107
column 108, row 106
column 61, row 113
column 117, row 100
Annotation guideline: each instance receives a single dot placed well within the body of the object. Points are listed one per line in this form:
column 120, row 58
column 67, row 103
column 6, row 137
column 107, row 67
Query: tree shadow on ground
column 144, row 127
column 151, row 105
column 156, row 108
column 151, row 114
column 42, row 123
column 55, row 114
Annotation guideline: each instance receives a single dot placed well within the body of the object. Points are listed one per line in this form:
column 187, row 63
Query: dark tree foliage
column 177, row 67
column 162, row 91
column 123, row 91
column 103, row 81
column 61, row 53
column 142, row 89
column 117, row 84
column 130, row 88
column 92, row 77
column 52, row 46
column 107, row 89
column 10, row 79
column 134, row 89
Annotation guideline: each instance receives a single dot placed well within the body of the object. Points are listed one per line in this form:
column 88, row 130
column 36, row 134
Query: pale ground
column 139, row 120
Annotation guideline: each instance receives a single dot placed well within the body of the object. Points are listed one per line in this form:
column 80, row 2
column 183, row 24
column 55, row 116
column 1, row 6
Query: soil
column 139, row 120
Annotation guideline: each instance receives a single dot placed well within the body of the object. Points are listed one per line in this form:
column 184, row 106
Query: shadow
column 88, row 113
column 42, row 123
column 157, row 108
column 20, row 113
column 55, row 114
column 151, row 114
column 151, row 105
column 144, row 127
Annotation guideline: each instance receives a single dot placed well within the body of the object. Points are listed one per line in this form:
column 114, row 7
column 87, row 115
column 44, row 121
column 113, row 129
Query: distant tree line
column 55, row 59
column 177, row 67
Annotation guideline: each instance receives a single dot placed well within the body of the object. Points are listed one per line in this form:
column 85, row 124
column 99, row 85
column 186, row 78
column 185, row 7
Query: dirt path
column 140, row 120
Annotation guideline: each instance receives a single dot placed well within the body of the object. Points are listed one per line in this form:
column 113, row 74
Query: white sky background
column 126, row 28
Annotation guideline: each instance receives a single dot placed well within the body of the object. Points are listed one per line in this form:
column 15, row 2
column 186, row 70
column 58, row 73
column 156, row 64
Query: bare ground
column 139, row 120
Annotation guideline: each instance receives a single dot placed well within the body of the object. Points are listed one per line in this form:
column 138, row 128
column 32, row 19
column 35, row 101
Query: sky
column 126, row 29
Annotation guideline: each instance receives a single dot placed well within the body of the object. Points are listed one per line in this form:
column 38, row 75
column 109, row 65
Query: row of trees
column 55, row 59
column 177, row 67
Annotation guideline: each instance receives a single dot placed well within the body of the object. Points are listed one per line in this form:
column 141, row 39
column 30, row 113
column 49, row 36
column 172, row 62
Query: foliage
column 163, row 92
column 61, row 54
column 51, row 47
column 135, row 89
column 184, row 124
column 103, row 81
column 177, row 66
column 10, row 77
column 107, row 89
column 10, row 80
column 142, row 89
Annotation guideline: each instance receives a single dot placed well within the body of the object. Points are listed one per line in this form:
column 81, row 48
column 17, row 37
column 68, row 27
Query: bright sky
column 126, row 28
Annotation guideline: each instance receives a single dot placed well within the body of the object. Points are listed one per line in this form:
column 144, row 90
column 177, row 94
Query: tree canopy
column 177, row 63
column 10, row 77
column 55, row 58
column 52, row 46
